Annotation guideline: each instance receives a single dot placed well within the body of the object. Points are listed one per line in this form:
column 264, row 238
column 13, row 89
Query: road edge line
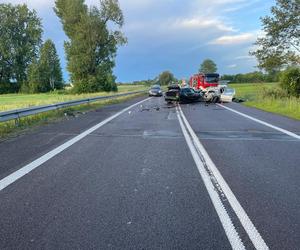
column 262, row 122
column 249, row 227
column 8, row 180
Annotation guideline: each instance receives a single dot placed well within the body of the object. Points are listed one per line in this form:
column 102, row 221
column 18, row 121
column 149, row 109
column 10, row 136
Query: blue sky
column 175, row 35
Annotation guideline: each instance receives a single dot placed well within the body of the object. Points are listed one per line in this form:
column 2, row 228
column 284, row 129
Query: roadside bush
column 6, row 88
column 290, row 81
column 275, row 93
column 93, row 84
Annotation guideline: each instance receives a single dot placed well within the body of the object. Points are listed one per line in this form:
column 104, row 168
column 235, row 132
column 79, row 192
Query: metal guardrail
column 19, row 113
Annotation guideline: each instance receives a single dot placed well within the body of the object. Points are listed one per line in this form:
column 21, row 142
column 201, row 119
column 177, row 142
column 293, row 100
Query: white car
column 227, row 95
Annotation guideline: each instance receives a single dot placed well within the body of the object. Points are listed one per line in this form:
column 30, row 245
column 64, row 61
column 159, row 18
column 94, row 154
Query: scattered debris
column 73, row 113
column 149, row 109
column 145, row 109
column 69, row 113
column 238, row 100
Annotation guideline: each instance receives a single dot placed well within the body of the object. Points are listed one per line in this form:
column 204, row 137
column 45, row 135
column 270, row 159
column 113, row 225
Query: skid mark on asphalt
column 164, row 134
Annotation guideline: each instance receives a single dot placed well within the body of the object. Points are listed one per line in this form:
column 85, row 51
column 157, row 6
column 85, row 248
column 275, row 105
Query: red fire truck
column 202, row 81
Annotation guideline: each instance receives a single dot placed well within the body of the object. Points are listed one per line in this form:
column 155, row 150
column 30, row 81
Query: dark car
column 189, row 95
column 173, row 93
column 155, row 91
column 184, row 95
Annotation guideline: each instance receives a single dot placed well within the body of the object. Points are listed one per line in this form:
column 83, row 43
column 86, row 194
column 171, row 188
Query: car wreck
column 212, row 88
column 185, row 95
column 172, row 95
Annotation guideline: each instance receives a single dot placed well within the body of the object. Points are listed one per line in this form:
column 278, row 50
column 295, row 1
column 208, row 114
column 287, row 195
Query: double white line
column 212, row 178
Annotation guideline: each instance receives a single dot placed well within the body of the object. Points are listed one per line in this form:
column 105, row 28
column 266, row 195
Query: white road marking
column 227, row 224
column 249, row 227
column 262, row 122
column 38, row 162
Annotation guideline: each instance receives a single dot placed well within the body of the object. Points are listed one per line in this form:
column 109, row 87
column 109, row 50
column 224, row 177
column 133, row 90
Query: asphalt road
column 135, row 182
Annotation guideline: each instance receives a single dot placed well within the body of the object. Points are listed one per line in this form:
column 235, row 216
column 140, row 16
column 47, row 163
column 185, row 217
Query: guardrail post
column 17, row 121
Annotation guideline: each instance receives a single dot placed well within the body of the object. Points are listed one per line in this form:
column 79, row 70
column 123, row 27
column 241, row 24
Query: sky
column 174, row 35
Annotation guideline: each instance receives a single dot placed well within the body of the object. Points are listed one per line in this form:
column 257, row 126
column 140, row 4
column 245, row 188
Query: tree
column 281, row 44
column 20, row 38
column 208, row 66
column 92, row 46
column 290, row 81
column 34, row 81
column 45, row 74
column 49, row 67
column 166, row 78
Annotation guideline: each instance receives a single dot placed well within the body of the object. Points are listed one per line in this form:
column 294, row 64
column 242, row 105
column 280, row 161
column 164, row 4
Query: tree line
column 251, row 77
column 28, row 64
column 278, row 51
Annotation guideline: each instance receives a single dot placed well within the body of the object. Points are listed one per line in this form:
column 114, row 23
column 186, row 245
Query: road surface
column 147, row 175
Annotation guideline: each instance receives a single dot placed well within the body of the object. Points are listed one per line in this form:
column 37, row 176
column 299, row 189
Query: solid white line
column 262, row 122
column 249, row 227
column 226, row 222
column 38, row 162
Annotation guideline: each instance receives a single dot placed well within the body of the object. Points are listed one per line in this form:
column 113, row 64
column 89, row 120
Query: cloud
column 33, row 4
column 232, row 66
column 241, row 5
column 202, row 23
column 226, row 1
column 235, row 39
column 244, row 58
column 45, row 4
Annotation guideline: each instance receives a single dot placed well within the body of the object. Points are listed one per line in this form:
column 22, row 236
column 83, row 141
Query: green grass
column 17, row 101
column 250, row 91
column 260, row 96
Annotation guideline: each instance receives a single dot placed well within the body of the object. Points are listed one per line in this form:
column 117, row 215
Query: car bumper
column 155, row 94
column 171, row 98
column 226, row 98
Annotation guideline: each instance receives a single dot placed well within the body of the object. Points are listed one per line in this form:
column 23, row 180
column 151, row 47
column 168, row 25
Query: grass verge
column 10, row 129
column 268, row 97
column 17, row 101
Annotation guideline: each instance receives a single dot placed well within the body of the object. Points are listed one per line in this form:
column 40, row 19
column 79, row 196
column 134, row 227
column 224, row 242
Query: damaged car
column 173, row 93
column 227, row 95
column 183, row 95
column 212, row 88
column 187, row 95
